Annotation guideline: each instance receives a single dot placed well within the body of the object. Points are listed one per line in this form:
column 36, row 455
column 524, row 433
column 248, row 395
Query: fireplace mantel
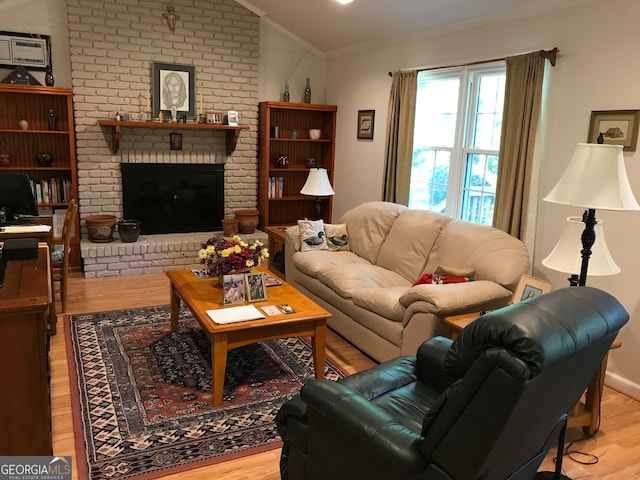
column 233, row 131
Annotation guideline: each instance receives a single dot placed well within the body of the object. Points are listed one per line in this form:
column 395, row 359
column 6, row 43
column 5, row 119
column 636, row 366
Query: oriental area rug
column 141, row 394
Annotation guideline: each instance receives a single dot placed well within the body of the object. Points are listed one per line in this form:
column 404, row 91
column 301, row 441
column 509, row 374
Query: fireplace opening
column 173, row 198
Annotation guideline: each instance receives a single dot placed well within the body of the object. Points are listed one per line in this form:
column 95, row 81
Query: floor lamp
column 317, row 185
column 596, row 178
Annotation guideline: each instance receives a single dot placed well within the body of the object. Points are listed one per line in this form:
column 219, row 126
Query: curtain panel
column 522, row 105
column 399, row 143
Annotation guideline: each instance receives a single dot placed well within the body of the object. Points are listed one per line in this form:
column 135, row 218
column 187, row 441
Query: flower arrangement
column 220, row 256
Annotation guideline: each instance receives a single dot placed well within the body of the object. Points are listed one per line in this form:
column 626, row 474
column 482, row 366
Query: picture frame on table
column 256, row 289
column 530, row 287
column 214, row 117
column 617, row 127
column 233, row 289
column 173, row 86
column 366, row 122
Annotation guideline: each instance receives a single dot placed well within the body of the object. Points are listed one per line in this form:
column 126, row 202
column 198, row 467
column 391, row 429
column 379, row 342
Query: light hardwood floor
column 617, row 444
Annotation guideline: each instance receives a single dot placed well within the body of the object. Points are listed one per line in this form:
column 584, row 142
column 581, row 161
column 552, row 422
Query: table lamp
column 596, row 178
column 318, row 185
column 565, row 256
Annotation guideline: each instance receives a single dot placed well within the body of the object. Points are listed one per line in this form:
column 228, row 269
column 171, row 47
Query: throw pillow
column 456, row 272
column 312, row 236
column 337, row 237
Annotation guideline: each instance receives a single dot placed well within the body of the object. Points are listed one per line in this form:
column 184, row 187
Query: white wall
column 279, row 53
column 596, row 70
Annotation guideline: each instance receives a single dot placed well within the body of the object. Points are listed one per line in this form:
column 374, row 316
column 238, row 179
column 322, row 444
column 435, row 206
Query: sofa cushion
column 310, row 263
column 492, row 253
column 454, row 297
column 383, row 301
column 312, row 236
column 409, row 242
column 346, row 280
column 368, row 225
column 337, row 237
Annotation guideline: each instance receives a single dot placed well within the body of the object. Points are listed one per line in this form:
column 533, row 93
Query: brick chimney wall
column 113, row 44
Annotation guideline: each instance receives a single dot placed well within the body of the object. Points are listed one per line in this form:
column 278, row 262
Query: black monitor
column 16, row 198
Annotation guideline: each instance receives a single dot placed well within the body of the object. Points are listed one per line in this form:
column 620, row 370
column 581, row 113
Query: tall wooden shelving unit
column 285, row 205
column 32, row 103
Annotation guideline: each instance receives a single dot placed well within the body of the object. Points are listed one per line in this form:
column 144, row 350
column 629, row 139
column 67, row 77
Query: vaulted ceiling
column 333, row 28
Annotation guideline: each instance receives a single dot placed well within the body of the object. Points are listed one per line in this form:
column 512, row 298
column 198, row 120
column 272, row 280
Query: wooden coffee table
column 200, row 295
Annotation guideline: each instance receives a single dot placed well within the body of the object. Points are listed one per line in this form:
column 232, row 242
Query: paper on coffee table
column 235, row 314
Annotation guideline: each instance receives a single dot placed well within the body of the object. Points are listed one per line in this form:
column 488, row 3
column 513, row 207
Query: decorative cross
column 171, row 17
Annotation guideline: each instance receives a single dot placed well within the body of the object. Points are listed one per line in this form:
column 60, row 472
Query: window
column 457, row 141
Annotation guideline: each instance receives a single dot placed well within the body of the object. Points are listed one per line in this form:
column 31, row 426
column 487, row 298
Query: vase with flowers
column 220, row 256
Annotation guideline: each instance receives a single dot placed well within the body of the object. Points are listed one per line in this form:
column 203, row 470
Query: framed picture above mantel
column 173, row 87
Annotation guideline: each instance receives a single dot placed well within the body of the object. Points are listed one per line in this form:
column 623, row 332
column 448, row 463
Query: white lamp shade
column 317, row 183
column 595, row 178
column 565, row 256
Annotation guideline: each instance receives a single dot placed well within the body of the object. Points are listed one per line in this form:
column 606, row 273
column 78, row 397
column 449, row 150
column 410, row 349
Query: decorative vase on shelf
column 282, row 161
column 53, row 121
column 48, row 78
column 286, row 95
column 307, row 91
column 24, row 125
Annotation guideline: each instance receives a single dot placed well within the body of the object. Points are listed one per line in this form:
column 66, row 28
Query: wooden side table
column 277, row 237
column 585, row 414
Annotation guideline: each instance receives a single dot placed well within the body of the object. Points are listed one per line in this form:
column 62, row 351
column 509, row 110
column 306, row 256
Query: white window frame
column 467, row 103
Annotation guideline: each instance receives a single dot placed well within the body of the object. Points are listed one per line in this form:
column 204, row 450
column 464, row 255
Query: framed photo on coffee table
column 233, row 286
column 256, row 289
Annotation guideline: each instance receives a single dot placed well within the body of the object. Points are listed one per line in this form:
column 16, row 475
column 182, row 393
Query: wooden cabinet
column 23, row 141
column 25, row 407
column 279, row 198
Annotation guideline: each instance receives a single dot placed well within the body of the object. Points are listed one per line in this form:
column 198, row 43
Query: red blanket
column 437, row 279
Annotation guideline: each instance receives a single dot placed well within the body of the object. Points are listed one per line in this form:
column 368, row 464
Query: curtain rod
column 550, row 55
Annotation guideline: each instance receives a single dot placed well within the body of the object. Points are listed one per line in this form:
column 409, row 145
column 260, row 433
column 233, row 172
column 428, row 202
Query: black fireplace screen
column 173, row 198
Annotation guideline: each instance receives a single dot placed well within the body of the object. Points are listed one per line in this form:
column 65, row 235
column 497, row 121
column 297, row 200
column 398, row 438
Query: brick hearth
column 149, row 254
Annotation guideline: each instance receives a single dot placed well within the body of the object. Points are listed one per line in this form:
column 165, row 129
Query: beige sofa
column 369, row 291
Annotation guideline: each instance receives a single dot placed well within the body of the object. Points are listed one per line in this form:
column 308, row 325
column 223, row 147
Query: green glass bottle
column 307, row 91
column 285, row 94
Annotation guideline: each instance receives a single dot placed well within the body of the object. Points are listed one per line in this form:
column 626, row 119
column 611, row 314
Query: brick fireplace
column 113, row 45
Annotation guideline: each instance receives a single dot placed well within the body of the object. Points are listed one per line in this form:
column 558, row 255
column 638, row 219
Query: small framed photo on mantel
column 215, row 117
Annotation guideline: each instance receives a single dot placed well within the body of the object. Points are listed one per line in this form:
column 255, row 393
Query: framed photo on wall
column 617, row 127
column 28, row 50
column 173, row 86
column 175, row 141
column 366, row 121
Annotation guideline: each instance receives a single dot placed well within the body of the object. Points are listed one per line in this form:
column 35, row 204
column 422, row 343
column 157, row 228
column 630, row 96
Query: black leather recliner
column 488, row 405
